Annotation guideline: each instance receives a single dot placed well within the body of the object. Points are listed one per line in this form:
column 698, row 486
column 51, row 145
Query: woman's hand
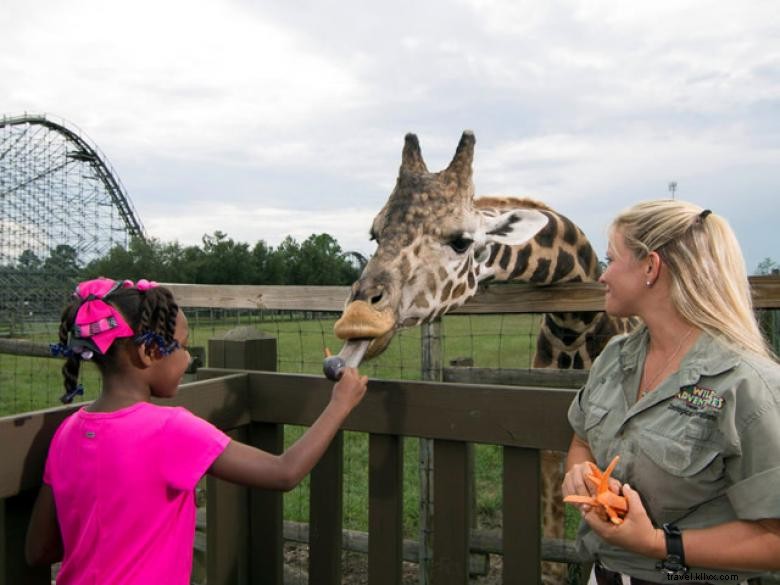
column 636, row 533
column 575, row 484
column 350, row 389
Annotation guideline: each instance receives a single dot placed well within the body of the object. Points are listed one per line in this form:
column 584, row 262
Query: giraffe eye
column 460, row 244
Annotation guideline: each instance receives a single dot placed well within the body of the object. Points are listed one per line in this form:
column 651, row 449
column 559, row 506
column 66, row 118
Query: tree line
column 318, row 260
column 35, row 286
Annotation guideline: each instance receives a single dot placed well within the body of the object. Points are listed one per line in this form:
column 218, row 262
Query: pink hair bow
column 97, row 322
column 144, row 285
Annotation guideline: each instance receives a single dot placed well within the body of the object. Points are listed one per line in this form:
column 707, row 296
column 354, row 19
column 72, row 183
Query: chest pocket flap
column 594, row 416
column 682, row 457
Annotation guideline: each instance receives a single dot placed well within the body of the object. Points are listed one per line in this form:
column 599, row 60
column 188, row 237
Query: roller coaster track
column 85, row 152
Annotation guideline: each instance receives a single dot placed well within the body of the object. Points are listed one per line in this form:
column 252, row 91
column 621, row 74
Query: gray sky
column 263, row 119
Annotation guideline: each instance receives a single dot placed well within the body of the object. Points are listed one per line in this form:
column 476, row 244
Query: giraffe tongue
column 353, row 350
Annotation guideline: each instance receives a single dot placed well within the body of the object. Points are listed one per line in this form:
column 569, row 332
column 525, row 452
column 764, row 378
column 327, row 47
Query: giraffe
column 436, row 243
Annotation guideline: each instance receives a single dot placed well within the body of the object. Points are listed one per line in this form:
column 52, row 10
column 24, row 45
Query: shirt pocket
column 676, row 475
column 594, row 423
column 683, row 457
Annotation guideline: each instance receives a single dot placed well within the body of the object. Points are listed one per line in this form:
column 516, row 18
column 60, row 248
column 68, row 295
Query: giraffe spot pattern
column 542, row 271
column 563, row 266
column 421, row 300
column 505, row 257
column 459, row 290
column 445, row 293
column 521, row 262
column 570, row 235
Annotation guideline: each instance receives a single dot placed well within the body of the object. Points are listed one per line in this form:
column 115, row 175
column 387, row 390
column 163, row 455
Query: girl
column 117, row 503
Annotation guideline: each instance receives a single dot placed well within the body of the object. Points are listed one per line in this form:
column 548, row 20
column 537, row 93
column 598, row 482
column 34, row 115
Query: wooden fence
column 244, row 526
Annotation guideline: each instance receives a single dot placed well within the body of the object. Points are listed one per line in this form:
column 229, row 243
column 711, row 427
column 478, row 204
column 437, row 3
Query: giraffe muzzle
column 362, row 321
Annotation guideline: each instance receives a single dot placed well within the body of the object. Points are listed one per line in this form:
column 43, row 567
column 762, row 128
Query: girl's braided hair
column 151, row 313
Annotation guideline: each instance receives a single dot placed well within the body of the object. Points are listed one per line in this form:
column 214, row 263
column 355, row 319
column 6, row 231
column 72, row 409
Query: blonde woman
column 691, row 403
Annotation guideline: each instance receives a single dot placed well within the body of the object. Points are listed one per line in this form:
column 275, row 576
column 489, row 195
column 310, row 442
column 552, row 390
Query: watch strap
column 674, row 563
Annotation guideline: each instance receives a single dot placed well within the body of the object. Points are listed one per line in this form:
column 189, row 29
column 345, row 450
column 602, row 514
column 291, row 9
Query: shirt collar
column 708, row 356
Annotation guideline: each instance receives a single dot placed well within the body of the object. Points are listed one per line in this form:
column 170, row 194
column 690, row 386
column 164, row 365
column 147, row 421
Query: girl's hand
column 636, row 533
column 349, row 391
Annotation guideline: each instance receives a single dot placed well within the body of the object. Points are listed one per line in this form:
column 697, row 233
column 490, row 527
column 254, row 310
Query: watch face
column 672, row 565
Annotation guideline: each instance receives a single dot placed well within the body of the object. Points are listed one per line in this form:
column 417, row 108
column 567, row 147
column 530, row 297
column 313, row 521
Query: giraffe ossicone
column 433, row 242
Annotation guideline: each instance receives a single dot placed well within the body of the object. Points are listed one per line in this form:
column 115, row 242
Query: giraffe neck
column 560, row 252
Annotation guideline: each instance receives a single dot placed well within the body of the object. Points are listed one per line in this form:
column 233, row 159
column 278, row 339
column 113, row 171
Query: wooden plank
column 766, row 291
column 522, row 522
column 239, row 296
column 26, row 437
column 357, row 541
column 14, row 518
column 227, row 529
column 222, row 401
column 502, row 415
column 431, row 370
column 325, row 515
column 452, row 521
column 25, row 347
column 483, row 542
column 545, row 378
column 494, row 297
column 385, row 509
column 267, row 514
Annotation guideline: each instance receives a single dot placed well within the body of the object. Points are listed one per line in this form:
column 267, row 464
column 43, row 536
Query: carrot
column 574, row 499
column 613, row 500
column 614, row 505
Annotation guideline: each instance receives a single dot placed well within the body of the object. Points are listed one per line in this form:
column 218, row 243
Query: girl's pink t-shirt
column 124, row 487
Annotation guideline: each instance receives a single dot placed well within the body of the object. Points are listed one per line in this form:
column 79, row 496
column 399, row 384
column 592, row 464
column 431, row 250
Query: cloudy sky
column 263, row 119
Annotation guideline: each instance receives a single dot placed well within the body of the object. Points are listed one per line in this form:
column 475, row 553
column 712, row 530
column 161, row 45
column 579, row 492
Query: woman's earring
column 648, row 284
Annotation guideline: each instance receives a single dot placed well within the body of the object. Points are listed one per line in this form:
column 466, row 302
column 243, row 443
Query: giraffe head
column 430, row 242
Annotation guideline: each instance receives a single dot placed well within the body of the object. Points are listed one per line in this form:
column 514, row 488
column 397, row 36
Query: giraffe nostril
column 376, row 298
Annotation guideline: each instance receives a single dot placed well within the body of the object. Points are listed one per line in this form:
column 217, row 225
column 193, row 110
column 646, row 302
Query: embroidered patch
column 698, row 401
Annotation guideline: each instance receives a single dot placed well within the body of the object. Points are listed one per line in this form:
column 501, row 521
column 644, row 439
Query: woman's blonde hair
column 710, row 286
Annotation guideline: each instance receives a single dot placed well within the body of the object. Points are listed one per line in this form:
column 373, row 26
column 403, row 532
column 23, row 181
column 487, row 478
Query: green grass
column 492, row 341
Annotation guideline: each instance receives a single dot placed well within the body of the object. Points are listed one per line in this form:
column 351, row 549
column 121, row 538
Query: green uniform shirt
column 701, row 449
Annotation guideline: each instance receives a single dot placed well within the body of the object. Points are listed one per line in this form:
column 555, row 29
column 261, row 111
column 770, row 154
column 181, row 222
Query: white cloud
column 277, row 108
column 166, row 77
column 249, row 224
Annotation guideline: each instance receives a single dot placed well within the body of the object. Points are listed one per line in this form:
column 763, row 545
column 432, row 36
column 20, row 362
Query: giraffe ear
column 411, row 158
column 513, row 228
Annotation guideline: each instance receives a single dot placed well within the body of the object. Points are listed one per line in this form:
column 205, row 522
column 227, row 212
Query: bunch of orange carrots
column 613, row 504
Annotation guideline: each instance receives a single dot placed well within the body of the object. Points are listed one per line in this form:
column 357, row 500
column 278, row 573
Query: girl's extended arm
column 44, row 542
column 244, row 464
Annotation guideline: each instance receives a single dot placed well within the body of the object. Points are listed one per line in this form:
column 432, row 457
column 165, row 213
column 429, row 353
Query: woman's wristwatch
column 674, row 563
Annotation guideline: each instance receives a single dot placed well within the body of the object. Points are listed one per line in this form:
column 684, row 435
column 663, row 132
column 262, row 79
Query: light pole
column 673, row 188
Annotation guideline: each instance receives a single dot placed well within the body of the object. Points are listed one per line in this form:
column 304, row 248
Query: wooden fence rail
column 493, row 298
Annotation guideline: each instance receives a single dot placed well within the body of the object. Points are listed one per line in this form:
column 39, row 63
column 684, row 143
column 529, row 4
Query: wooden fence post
column 431, row 365
column 14, row 518
column 244, row 526
column 770, row 325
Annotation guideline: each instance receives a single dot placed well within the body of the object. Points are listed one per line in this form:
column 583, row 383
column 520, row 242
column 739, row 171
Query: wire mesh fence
column 30, row 382
column 503, row 341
